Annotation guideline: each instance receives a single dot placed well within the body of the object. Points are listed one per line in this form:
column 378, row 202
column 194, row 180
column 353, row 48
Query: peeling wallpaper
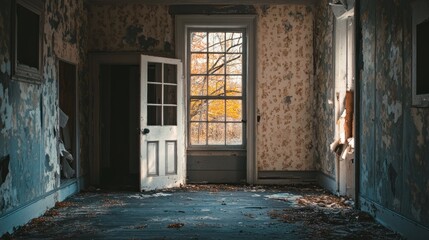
column 131, row 27
column 29, row 115
column 395, row 136
column 284, row 69
column 285, row 88
column 324, row 88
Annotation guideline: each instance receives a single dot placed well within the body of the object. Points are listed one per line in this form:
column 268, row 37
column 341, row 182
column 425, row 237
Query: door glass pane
column 233, row 110
column 216, row 110
column 170, row 94
column 233, row 86
column 154, row 93
column 216, row 86
column 198, row 133
column 198, row 110
column 170, row 116
column 154, row 72
column 216, row 133
column 198, row 86
column 170, row 73
column 154, row 115
column 234, row 133
column 199, row 42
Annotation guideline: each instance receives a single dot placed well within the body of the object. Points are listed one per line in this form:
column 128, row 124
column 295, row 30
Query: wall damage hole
column 4, row 168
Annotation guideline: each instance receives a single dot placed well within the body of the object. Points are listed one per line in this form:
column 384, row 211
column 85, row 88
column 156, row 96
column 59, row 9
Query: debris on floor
column 207, row 212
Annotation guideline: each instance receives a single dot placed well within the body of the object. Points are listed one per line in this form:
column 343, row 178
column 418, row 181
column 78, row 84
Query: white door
column 162, row 125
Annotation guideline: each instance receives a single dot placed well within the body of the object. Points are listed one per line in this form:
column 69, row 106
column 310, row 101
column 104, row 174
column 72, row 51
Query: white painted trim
column 394, row 221
column 36, row 208
column 183, row 23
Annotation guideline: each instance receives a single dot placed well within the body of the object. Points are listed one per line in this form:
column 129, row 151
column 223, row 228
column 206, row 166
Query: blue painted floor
column 206, row 212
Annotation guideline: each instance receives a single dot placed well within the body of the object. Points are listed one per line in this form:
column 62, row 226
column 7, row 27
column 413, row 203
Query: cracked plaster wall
column 29, row 112
column 324, row 88
column 394, row 135
column 131, row 27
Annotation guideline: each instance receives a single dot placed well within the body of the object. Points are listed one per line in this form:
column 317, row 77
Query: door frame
column 248, row 22
column 95, row 60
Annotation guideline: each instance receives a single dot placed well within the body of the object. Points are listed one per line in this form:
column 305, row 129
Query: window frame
column 420, row 13
column 243, row 96
column 22, row 72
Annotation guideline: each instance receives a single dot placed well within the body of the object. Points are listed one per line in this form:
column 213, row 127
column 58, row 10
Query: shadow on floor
column 206, row 212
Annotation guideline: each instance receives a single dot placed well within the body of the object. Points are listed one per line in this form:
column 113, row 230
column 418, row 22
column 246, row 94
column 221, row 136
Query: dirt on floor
column 313, row 212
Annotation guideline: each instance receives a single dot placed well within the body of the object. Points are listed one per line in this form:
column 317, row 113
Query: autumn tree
column 216, row 82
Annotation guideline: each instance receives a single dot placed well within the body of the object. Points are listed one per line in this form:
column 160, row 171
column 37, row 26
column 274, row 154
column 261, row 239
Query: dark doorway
column 120, row 103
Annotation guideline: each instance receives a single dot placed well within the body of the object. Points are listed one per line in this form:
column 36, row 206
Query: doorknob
column 145, row 131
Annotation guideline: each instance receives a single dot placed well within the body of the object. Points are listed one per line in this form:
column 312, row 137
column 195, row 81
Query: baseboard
column 36, row 208
column 394, row 221
column 286, row 177
column 327, row 182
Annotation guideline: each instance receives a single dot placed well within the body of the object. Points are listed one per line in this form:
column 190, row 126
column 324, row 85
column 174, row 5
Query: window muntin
column 216, row 83
column 161, row 94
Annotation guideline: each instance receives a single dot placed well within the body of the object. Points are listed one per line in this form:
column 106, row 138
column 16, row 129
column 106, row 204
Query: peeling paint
column 131, row 27
column 324, row 88
column 394, row 109
column 29, row 112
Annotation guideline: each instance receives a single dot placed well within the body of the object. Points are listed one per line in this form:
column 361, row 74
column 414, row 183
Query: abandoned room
column 214, row 119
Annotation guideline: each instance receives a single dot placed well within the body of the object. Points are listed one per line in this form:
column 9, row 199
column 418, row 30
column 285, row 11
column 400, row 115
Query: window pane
column 198, row 86
column 216, row 133
column 198, row 133
column 234, row 42
column 170, row 116
column 154, row 93
column 198, row 63
column 216, row 110
column 234, row 63
column 198, row 110
column 154, row 115
column 216, row 64
column 216, row 86
column 199, row 42
column 234, row 134
column 233, row 110
column 233, row 86
column 170, row 73
column 170, row 94
column 154, row 72
column 217, row 42
column 27, row 37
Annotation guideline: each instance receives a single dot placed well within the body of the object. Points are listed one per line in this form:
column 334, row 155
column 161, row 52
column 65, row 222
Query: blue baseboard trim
column 394, row 221
column 36, row 208
column 327, row 182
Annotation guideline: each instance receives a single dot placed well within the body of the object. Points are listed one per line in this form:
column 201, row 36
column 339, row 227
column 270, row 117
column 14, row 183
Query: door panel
column 162, row 124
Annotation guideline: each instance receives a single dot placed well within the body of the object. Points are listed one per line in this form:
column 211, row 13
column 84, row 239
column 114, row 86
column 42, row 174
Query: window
column 216, row 87
column 27, row 40
column 420, row 54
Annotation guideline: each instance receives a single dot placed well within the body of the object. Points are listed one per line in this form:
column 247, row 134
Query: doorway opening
column 119, row 87
column 68, row 142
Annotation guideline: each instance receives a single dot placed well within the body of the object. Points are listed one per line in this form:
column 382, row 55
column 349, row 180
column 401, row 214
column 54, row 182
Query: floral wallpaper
column 285, row 88
column 131, row 27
